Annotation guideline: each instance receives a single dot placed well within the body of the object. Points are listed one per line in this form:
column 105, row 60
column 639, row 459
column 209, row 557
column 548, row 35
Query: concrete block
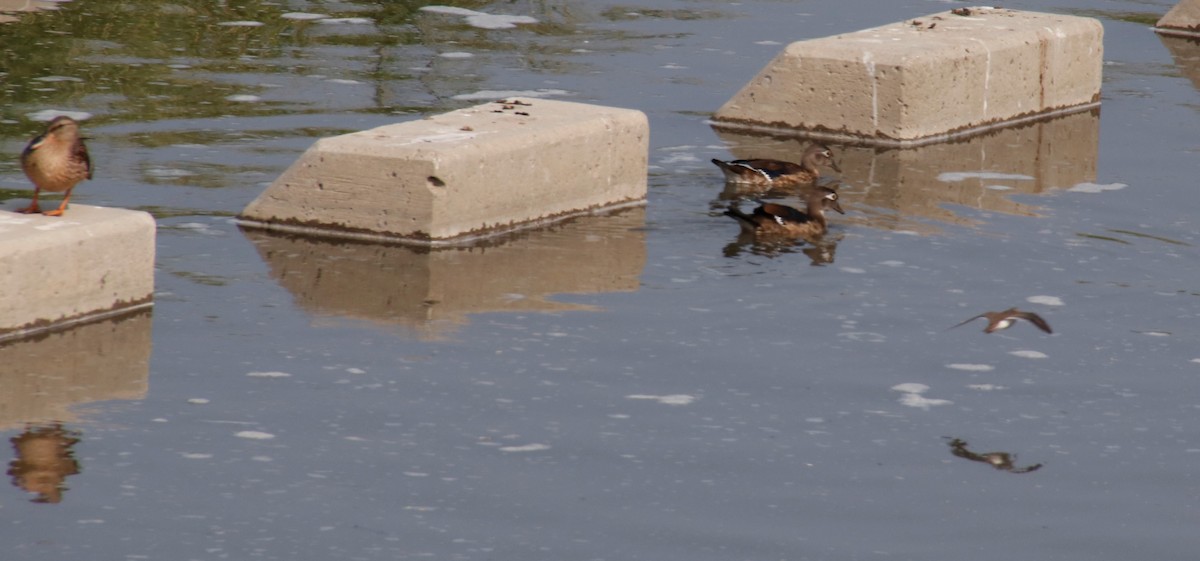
column 90, row 263
column 927, row 79
column 431, row 292
column 455, row 177
column 1183, row 19
column 920, row 189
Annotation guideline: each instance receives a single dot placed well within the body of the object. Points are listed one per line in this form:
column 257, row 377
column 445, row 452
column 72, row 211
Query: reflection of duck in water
column 44, row 461
column 778, row 173
column 820, row 251
column 781, row 220
column 1006, row 318
column 1002, row 461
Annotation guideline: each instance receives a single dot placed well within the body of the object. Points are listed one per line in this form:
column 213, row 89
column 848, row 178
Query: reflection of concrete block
column 460, row 175
column 432, row 291
column 908, row 188
column 1186, row 53
column 926, row 79
column 90, row 263
column 1183, row 19
column 46, row 376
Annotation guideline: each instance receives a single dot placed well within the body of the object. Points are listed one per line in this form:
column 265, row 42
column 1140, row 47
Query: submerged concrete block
column 927, row 79
column 1183, row 19
column 458, row 176
column 91, row 263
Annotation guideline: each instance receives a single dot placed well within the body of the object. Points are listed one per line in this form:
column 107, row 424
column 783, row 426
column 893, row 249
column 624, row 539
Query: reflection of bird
column 1005, row 319
column 775, row 219
column 1002, row 461
column 56, row 161
column 778, row 172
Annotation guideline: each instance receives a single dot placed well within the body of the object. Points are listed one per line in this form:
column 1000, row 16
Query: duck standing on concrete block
column 778, row 173
column 56, row 161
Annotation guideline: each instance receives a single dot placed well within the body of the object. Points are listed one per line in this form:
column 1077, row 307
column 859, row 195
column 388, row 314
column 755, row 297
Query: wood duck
column 56, row 161
column 1006, row 318
column 776, row 219
column 778, row 173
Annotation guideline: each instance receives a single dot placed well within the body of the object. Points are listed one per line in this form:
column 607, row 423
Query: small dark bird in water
column 778, row 173
column 56, row 161
column 1005, row 319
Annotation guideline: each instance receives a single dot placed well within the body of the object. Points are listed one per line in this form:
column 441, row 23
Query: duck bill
column 836, row 206
column 833, row 164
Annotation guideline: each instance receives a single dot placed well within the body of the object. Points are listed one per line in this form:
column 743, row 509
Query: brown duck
column 776, row 219
column 56, row 161
column 778, row 173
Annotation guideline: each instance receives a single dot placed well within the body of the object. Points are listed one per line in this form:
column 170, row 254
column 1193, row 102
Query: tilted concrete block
column 1183, row 19
column 927, row 79
column 454, row 177
column 91, row 263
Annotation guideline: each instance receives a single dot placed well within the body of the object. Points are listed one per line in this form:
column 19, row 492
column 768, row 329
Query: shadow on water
column 916, row 189
column 433, row 292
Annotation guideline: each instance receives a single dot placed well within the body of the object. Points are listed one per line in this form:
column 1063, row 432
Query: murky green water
column 638, row 386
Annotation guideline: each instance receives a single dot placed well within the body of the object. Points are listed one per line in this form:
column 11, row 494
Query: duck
column 56, row 161
column 1006, row 318
column 777, row 219
column 778, row 173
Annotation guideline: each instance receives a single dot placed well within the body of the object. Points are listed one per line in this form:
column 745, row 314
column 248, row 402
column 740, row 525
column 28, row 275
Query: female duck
column 776, row 219
column 778, row 173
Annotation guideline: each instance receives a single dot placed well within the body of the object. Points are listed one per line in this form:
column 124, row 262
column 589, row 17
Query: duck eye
column 831, row 196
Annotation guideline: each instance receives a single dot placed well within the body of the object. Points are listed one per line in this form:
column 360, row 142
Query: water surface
column 637, row 386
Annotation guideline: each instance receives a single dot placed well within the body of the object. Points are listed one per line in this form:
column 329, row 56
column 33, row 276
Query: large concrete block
column 431, row 292
column 88, row 264
column 1183, row 19
column 927, row 79
column 457, row 176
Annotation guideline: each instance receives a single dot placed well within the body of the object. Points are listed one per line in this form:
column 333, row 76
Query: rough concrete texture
column 90, row 263
column 917, row 188
column 926, row 79
column 432, row 292
column 457, row 176
column 1183, row 19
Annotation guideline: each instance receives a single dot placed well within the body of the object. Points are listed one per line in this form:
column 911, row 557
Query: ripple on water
column 1028, row 354
column 971, row 367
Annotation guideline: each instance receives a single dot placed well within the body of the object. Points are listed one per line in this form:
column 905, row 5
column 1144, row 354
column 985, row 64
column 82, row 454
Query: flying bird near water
column 1006, row 318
